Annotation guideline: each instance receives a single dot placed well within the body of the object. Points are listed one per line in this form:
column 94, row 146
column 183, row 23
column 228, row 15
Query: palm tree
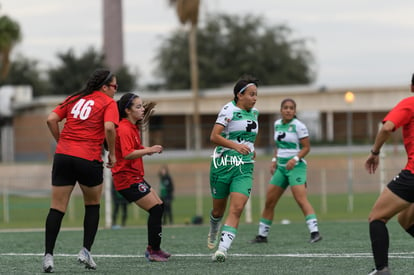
column 187, row 11
column 9, row 36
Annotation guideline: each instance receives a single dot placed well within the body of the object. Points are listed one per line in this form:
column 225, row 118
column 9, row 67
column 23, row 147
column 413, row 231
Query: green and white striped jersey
column 287, row 137
column 240, row 126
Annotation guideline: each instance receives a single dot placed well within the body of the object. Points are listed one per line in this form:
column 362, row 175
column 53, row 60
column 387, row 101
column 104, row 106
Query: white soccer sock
column 312, row 225
column 226, row 240
column 264, row 229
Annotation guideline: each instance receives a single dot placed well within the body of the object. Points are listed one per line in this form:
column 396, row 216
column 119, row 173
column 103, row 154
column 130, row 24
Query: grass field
column 345, row 249
column 30, row 212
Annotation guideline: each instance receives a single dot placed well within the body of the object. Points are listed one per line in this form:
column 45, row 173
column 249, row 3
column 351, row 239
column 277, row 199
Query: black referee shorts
column 67, row 170
column 403, row 185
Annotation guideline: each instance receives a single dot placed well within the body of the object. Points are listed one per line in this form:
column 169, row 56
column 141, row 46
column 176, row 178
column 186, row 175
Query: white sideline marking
column 402, row 255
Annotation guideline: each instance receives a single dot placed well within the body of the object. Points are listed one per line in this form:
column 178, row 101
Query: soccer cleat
column 212, row 240
column 219, row 256
column 315, row 237
column 165, row 254
column 259, row 239
column 48, row 263
column 156, row 255
column 384, row 271
column 85, row 257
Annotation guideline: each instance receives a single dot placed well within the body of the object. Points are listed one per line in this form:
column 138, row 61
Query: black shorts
column 403, row 185
column 136, row 191
column 67, row 170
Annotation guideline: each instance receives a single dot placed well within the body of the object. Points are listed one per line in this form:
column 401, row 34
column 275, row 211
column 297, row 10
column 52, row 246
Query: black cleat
column 259, row 239
column 315, row 237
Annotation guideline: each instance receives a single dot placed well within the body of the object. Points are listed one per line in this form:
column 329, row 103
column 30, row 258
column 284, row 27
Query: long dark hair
column 125, row 102
column 243, row 83
column 98, row 78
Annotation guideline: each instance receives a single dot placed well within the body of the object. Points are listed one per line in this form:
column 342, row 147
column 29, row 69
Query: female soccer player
column 91, row 115
column 231, row 171
column 398, row 196
column 128, row 172
column 288, row 169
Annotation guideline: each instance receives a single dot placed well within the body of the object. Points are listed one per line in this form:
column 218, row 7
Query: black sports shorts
column 67, row 170
column 136, row 191
column 403, row 185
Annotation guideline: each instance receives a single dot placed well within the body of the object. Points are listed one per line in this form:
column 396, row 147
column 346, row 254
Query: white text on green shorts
column 227, row 160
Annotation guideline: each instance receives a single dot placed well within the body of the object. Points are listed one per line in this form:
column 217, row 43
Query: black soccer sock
column 410, row 230
column 124, row 214
column 154, row 226
column 379, row 243
column 90, row 225
column 52, row 228
column 115, row 213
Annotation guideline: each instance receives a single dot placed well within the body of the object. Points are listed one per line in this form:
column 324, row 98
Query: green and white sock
column 312, row 223
column 227, row 236
column 264, row 227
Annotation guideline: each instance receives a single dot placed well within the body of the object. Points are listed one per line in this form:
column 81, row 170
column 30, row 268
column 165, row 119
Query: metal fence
column 327, row 174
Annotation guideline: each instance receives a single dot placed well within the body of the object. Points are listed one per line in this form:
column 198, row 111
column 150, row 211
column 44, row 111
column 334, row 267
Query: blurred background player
column 166, row 193
column 288, row 168
column 120, row 206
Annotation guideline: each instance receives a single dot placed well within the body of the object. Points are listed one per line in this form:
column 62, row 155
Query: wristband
column 375, row 153
column 296, row 158
column 274, row 159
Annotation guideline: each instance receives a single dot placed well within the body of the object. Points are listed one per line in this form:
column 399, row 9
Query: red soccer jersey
column 127, row 171
column 402, row 115
column 83, row 133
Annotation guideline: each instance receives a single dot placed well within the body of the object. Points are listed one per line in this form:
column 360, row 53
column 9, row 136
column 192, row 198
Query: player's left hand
column 371, row 164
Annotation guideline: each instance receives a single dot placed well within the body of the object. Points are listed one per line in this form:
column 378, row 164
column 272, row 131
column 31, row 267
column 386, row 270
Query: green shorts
column 228, row 178
column 283, row 177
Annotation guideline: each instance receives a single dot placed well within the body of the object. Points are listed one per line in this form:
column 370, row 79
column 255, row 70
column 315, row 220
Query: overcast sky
column 355, row 42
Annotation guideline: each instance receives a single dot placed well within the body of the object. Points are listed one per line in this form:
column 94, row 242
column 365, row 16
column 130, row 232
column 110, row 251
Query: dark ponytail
column 98, row 78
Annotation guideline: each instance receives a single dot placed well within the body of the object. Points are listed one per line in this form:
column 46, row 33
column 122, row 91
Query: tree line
column 227, row 47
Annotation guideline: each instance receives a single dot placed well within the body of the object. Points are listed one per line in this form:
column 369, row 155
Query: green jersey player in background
column 231, row 171
column 288, row 169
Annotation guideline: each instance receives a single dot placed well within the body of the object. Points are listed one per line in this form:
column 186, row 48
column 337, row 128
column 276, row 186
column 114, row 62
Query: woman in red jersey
column 91, row 115
column 128, row 172
column 398, row 196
